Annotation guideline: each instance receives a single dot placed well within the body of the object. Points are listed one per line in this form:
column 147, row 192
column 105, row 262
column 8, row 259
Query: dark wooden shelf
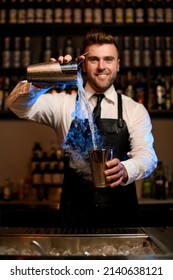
column 33, row 29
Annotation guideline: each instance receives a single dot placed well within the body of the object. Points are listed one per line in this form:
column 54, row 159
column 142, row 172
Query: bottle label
column 139, row 15
column 119, row 15
column 88, row 15
column 39, row 15
column 97, row 15
column 37, row 179
column 151, row 15
column 22, row 16
column 159, row 15
column 58, row 15
column 77, row 15
column 48, row 15
column 47, row 179
column 13, row 16
column 56, row 179
column 129, row 15
column 2, row 16
column 67, row 15
column 108, row 16
column 30, row 15
column 169, row 15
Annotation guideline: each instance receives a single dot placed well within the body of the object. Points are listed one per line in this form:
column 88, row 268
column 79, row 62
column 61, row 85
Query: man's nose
column 101, row 64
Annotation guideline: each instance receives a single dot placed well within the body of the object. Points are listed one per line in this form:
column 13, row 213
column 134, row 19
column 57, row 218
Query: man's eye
column 109, row 59
column 93, row 59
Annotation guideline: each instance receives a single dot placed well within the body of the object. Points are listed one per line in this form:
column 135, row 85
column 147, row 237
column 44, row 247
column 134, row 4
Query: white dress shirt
column 57, row 111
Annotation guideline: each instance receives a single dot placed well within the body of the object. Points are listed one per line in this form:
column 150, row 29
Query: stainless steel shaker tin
column 52, row 72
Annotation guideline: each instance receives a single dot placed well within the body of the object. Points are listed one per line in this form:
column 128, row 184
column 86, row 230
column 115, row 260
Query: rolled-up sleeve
column 22, row 97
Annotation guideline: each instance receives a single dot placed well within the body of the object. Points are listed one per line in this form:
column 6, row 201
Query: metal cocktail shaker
column 53, row 73
column 98, row 159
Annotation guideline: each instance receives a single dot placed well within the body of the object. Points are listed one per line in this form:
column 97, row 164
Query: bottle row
column 47, row 167
column 86, row 11
column 15, row 190
column 135, row 51
column 155, row 92
column 158, row 185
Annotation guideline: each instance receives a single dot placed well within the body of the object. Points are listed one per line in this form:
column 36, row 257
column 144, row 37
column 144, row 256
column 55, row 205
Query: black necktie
column 97, row 109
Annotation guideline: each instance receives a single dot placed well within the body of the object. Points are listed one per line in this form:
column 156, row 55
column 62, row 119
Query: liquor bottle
column 3, row 12
column 44, row 160
column 13, row 12
column 37, row 176
column 47, row 49
column 168, row 59
column 30, row 15
column 37, row 183
column 46, row 176
column 58, row 11
column 88, row 11
column 139, row 11
column 119, row 11
column 6, row 54
column 129, row 11
column 147, row 188
column 158, row 57
column 151, row 9
column 48, row 11
column 26, row 53
column 97, row 12
column 55, row 176
column 67, row 11
column 107, row 11
column 168, row 94
column 16, row 62
column 53, row 160
column 129, row 87
column 146, row 53
column 140, row 89
column 40, row 12
column 160, row 91
column 77, row 11
column 68, row 46
column 37, row 149
column 35, row 160
column 159, row 181
column 160, row 11
column 126, row 51
column 168, row 13
column 21, row 19
column 137, row 51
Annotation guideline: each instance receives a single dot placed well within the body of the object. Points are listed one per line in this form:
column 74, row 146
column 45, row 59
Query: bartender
column 122, row 124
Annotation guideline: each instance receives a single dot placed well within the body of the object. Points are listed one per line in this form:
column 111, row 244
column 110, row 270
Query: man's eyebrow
column 96, row 57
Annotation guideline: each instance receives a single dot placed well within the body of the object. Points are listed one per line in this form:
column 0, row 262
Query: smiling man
column 123, row 125
column 101, row 66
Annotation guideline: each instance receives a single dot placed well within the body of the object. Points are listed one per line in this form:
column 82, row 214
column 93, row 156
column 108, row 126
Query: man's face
column 101, row 66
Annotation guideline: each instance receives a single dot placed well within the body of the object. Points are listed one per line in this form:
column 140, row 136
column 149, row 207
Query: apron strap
column 120, row 114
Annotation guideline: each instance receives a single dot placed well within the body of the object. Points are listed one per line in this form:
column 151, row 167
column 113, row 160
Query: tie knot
column 97, row 109
column 100, row 96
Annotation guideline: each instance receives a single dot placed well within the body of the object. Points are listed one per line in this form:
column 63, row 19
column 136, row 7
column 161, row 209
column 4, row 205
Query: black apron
column 83, row 205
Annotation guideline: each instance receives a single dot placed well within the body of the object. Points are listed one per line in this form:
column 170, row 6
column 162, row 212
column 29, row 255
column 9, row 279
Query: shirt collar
column 110, row 94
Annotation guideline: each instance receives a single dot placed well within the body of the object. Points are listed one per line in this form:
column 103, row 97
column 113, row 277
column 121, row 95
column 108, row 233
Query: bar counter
column 46, row 213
